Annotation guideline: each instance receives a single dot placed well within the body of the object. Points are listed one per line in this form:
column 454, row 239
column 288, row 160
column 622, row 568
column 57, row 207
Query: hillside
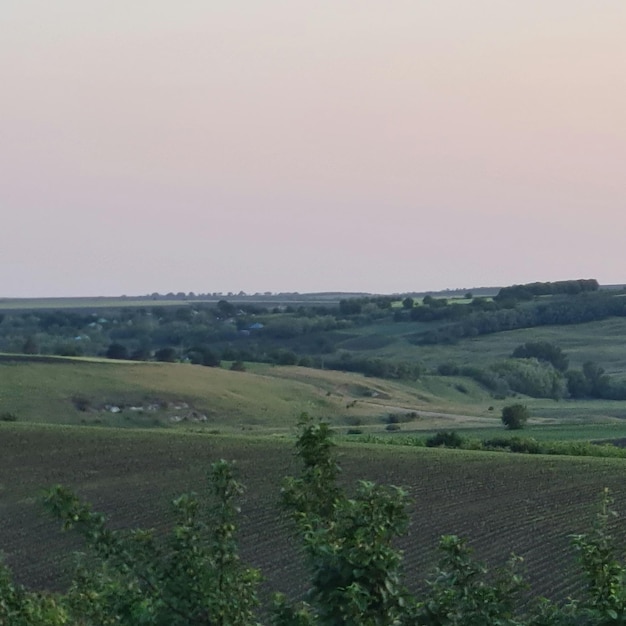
column 501, row 503
column 263, row 399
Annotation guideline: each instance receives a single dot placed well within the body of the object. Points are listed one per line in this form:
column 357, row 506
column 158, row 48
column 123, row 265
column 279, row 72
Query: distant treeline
column 503, row 315
column 530, row 290
column 351, row 334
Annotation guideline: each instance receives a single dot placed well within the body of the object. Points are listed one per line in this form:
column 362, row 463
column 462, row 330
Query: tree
column 598, row 380
column 408, row 303
column 167, row 355
column 117, row 351
column 543, row 351
column 30, row 346
column 355, row 567
column 352, row 306
column 606, row 576
column 577, row 384
column 192, row 576
column 225, row 309
column 515, row 416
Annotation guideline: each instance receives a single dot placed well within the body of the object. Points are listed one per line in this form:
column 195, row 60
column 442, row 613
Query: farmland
column 501, row 503
column 131, row 433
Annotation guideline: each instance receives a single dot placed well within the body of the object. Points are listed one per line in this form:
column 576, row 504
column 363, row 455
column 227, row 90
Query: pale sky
column 310, row 145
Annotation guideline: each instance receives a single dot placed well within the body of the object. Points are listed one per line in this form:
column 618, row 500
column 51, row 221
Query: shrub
column 166, row 355
column 514, row 444
column 515, row 416
column 399, row 418
column 448, row 369
column 447, row 439
column 82, row 403
column 8, row 416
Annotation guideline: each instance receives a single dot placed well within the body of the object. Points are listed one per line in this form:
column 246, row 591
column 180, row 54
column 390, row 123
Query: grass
column 74, row 391
column 262, row 400
column 597, row 432
column 601, row 342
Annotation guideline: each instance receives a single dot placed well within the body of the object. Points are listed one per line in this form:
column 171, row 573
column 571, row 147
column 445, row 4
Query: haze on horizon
column 310, row 146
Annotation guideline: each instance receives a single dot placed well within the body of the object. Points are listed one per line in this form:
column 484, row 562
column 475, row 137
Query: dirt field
column 501, row 503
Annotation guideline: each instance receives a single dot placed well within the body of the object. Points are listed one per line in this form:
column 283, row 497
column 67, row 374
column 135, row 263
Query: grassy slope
column 45, row 390
column 500, row 502
column 267, row 399
column 601, row 342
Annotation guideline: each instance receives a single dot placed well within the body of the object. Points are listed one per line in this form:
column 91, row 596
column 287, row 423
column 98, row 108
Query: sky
column 298, row 145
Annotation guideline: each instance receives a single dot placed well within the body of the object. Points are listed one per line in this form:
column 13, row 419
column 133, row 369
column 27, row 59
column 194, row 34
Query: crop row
column 501, row 503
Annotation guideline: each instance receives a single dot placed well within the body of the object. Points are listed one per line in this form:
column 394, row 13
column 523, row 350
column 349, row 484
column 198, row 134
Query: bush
column 515, row 416
column 446, row 439
column 448, row 369
column 82, row 403
column 399, row 418
column 117, row 351
column 238, row 366
column 166, row 355
column 513, row 444
column 7, row 416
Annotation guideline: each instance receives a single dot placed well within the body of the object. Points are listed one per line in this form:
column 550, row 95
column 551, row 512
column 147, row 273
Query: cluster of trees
column 375, row 366
column 205, row 335
column 532, row 290
column 540, row 369
column 498, row 316
column 193, row 575
column 318, row 335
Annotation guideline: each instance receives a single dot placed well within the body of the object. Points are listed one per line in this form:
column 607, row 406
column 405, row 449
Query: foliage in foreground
column 193, row 575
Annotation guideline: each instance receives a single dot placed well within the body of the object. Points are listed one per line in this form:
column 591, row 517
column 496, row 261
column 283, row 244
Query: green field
column 265, row 399
column 602, row 342
column 77, row 391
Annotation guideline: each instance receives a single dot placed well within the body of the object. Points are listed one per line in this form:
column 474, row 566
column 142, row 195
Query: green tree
column 597, row 379
column 606, row 576
column 577, row 384
column 515, row 416
column 348, row 541
column 193, row 576
column 117, row 351
column 166, row 355
column 543, row 351
column 19, row 607
column 30, row 346
column 462, row 594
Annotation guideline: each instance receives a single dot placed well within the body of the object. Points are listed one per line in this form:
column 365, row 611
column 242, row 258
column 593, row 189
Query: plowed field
column 500, row 502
